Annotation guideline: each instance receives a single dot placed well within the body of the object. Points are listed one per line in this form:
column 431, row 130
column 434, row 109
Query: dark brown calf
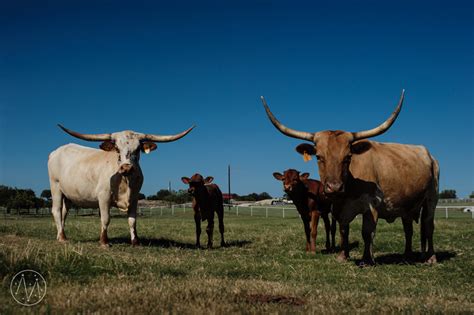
column 308, row 197
column 207, row 199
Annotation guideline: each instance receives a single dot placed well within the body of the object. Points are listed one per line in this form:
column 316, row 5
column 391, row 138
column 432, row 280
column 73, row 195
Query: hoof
column 135, row 242
column 105, row 245
column 62, row 237
column 223, row 244
column 366, row 263
column 209, row 246
column 432, row 260
column 341, row 257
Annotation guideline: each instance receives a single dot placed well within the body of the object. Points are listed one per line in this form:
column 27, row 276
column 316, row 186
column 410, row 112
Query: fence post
column 237, row 211
column 172, row 210
column 251, row 211
column 184, row 208
column 266, row 212
column 446, row 212
column 283, row 213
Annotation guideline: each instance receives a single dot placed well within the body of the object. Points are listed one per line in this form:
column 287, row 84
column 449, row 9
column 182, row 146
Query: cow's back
column 81, row 172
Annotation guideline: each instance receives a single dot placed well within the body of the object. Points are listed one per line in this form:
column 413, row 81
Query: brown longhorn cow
column 207, row 199
column 377, row 180
column 308, row 197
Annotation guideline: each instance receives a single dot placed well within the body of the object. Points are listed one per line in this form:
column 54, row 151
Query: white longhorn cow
column 101, row 178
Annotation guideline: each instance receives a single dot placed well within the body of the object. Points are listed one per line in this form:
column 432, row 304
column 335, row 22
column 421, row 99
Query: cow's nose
column 333, row 187
column 125, row 168
column 287, row 188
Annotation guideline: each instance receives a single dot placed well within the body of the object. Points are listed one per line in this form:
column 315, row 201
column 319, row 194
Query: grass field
column 264, row 269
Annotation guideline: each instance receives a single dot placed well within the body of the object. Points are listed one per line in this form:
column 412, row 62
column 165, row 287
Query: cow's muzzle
column 333, row 187
column 124, row 169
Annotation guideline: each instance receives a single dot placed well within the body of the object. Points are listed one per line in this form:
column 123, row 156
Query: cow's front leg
column 210, row 229
column 132, row 223
column 333, row 233
column 197, row 221
column 327, row 228
column 307, row 231
column 314, row 230
column 408, row 229
column 104, row 206
column 369, row 224
column 344, row 232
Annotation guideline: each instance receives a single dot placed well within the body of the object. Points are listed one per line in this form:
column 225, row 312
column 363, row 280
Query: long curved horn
column 91, row 137
column 285, row 130
column 170, row 138
column 383, row 127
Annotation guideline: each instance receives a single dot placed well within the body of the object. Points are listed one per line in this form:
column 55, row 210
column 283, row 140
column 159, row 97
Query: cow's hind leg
column 132, row 223
column 427, row 229
column 105, row 220
column 210, row 229
column 408, row 229
column 57, row 198
column 220, row 215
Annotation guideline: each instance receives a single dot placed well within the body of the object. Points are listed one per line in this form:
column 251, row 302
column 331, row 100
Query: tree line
column 17, row 199
column 182, row 196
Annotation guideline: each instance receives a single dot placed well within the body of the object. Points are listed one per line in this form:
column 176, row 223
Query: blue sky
column 159, row 67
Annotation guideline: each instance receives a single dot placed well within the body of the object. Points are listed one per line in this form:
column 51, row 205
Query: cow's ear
column 208, row 179
column 148, row 146
column 278, row 176
column 306, row 148
column 185, row 180
column 107, row 145
column 360, row 147
column 304, row 176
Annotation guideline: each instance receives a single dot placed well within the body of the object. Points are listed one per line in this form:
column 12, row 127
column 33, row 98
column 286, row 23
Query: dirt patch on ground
column 277, row 299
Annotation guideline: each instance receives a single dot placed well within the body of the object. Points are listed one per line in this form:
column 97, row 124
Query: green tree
column 264, row 196
column 448, row 194
column 141, row 196
column 471, row 195
column 46, row 194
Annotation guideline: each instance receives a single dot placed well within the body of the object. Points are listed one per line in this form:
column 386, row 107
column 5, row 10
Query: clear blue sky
column 161, row 66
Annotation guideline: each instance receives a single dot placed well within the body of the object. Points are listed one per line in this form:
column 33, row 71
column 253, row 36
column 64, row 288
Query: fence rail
column 444, row 211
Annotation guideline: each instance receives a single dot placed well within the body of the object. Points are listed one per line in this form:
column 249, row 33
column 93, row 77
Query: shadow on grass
column 337, row 249
column 169, row 243
column 416, row 258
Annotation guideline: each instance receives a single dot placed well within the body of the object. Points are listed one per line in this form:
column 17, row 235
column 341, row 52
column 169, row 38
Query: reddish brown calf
column 308, row 197
column 207, row 199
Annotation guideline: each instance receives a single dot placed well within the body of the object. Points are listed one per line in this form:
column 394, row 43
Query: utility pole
column 228, row 183
column 169, row 189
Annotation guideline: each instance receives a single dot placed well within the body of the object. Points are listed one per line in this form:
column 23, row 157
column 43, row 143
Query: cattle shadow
column 170, row 243
column 416, row 258
column 338, row 248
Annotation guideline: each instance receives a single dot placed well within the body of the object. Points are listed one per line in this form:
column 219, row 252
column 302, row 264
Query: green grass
column 264, row 270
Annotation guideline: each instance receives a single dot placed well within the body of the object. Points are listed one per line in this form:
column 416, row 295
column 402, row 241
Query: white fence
column 286, row 212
